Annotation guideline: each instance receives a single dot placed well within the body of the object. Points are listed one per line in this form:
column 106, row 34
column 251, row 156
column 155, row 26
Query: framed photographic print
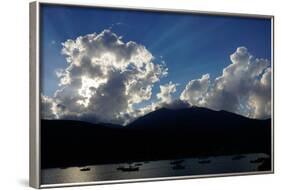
column 126, row 94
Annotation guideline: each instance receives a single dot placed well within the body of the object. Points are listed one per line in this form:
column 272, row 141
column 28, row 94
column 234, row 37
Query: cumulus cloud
column 164, row 100
column 104, row 78
column 47, row 107
column 166, row 90
column 244, row 87
column 196, row 89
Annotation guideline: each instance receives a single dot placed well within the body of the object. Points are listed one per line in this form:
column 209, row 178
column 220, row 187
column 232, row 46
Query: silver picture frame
column 34, row 97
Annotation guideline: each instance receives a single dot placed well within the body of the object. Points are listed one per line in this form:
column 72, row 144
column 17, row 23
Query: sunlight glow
column 88, row 89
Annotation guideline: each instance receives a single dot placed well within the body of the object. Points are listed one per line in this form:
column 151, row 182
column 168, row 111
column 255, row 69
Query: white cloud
column 166, row 90
column 196, row 89
column 104, row 78
column 47, row 106
column 244, row 87
column 164, row 100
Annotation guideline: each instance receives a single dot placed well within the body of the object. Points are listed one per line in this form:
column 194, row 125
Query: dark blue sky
column 190, row 44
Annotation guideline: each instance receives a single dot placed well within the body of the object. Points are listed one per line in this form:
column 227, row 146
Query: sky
column 195, row 59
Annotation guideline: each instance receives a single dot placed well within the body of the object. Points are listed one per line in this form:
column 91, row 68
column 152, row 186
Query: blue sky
column 190, row 44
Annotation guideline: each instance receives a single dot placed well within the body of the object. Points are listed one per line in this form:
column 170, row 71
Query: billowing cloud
column 105, row 77
column 196, row 89
column 244, row 87
column 166, row 90
column 164, row 100
column 47, row 106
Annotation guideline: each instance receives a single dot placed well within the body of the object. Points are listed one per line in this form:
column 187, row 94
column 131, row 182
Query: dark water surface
column 154, row 169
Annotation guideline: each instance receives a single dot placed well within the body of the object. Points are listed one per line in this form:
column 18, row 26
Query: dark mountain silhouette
column 162, row 134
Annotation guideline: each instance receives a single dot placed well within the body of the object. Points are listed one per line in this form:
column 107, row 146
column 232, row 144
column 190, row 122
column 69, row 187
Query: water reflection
column 152, row 169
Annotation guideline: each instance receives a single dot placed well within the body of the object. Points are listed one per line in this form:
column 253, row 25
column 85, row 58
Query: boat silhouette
column 130, row 168
column 85, row 169
column 177, row 162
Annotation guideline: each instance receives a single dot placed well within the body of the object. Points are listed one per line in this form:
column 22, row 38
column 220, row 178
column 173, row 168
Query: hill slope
column 162, row 134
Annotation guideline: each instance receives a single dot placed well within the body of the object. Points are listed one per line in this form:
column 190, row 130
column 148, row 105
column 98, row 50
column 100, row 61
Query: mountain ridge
column 162, row 134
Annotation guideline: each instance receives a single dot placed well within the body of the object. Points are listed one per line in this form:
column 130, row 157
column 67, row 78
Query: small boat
column 176, row 162
column 178, row 167
column 128, row 169
column 138, row 164
column 85, row 169
column 120, row 168
column 204, row 161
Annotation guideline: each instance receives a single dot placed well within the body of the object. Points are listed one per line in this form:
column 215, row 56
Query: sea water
column 154, row 169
